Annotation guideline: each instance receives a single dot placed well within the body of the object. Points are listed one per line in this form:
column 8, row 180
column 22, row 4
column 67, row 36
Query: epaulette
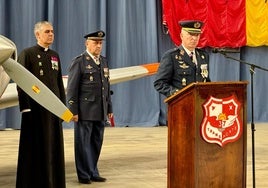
column 174, row 49
column 77, row 57
column 171, row 51
column 202, row 50
column 102, row 57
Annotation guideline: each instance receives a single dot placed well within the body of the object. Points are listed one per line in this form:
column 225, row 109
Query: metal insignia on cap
column 100, row 34
column 197, row 25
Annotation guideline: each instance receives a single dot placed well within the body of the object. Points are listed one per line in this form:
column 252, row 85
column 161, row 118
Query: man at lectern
column 185, row 64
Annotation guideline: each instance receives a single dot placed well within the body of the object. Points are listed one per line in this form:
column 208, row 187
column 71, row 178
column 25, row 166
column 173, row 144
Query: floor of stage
column 131, row 157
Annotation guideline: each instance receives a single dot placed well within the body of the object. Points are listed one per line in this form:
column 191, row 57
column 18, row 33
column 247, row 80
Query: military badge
column 183, row 82
column 182, row 52
column 204, row 70
column 55, row 63
column 89, row 67
column 197, row 25
column 106, row 72
column 221, row 122
column 100, row 34
column 184, row 66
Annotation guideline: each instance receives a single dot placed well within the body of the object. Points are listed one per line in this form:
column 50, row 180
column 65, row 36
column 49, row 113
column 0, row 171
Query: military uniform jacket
column 88, row 89
column 177, row 70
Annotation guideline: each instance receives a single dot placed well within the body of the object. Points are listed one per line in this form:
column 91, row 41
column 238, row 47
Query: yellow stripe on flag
column 257, row 22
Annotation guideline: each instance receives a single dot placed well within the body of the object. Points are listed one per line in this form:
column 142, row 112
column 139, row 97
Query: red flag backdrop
column 225, row 21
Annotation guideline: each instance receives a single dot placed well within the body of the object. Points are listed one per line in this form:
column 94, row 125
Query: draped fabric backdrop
column 134, row 36
column 229, row 23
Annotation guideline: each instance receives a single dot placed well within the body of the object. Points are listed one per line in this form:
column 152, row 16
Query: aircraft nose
column 7, row 49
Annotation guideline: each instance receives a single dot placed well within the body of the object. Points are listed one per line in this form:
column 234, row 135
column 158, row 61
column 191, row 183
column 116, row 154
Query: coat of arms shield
column 221, row 122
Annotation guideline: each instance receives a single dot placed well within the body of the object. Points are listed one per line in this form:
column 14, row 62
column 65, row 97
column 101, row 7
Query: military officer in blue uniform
column 183, row 65
column 89, row 99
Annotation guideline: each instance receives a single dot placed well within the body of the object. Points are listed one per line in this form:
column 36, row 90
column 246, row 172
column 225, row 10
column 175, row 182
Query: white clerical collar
column 44, row 48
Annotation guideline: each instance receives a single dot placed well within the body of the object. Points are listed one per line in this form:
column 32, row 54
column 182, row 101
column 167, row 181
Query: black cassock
column 41, row 148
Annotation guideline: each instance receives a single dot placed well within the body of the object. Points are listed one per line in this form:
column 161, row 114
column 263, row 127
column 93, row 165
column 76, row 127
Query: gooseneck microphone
column 225, row 50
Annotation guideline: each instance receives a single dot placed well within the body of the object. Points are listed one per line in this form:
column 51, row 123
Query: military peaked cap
column 97, row 35
column 191, row 26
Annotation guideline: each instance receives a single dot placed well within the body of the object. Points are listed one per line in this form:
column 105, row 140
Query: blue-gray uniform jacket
column 88, row 89
column 176, row 70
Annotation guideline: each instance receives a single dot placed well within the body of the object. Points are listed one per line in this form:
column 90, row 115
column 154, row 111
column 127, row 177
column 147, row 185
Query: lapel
column 200, row 58
column 186, row 57
column 89, row 61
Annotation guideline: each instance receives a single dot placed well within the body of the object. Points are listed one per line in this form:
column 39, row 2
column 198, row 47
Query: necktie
column 191, row 55
column 97, row 61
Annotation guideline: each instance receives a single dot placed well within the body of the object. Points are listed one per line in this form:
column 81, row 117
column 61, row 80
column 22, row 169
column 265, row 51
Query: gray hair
column 38, row 25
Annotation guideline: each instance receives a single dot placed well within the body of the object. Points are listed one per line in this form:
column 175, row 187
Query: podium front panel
column 192, row 161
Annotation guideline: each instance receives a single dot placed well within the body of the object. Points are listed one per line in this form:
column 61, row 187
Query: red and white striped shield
column 221, row 122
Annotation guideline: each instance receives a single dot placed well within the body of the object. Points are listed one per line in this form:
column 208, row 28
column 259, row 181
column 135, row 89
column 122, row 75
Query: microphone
column 225, row 50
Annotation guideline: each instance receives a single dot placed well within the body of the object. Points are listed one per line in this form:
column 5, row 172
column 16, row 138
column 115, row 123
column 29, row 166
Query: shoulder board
column 77, row 57
column 172, row 50
column 202, row 50
column 102, row 57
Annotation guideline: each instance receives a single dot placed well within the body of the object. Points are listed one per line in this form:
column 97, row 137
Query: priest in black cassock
column 41, row 148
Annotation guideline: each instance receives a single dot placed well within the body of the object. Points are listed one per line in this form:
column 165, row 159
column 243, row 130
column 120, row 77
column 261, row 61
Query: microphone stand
column 251, row 70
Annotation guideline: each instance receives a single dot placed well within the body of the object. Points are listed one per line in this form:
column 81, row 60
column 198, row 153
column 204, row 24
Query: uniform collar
column 188, row 51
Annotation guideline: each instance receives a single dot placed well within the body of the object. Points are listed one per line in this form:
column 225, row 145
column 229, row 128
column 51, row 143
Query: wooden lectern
column 193, row 162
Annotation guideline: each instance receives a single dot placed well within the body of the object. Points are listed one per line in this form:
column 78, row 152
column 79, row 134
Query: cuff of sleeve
column 25, row 110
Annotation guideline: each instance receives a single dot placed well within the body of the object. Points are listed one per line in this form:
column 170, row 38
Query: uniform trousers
column 88, row 143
